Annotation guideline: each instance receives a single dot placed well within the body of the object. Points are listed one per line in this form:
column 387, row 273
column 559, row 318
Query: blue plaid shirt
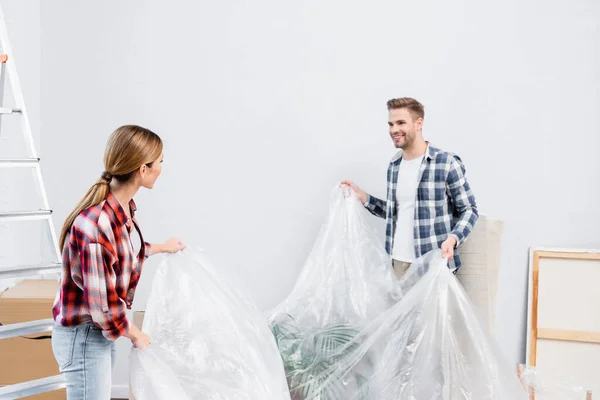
column 445, row 204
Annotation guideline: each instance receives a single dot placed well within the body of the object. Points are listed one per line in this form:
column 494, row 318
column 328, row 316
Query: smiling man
column 429, row 203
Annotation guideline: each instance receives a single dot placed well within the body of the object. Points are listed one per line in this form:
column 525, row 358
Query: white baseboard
column 119, row 392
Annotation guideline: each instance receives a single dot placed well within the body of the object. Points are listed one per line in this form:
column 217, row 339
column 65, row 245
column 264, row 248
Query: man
column 429, row 203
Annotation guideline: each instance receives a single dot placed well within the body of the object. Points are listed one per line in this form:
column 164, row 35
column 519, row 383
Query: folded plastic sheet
column 208, row 340
column 351, row 330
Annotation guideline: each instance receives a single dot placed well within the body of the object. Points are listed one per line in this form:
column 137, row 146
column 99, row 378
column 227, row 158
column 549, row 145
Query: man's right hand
column 362, row 195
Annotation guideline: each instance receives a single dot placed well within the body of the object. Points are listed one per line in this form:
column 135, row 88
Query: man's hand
column 448, row 247
column 362, row 195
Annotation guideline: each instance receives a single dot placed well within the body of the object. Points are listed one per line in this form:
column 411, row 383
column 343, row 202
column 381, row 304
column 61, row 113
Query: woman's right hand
column 141, row 341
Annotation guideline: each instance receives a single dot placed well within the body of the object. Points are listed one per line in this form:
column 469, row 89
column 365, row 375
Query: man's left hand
column 448, row 247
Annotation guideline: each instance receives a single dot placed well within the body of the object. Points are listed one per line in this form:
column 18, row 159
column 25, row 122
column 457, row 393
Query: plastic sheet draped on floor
column 209, row 341
column 350, row 330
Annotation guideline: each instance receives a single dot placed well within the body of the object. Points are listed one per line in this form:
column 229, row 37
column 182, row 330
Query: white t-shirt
column 406, row 192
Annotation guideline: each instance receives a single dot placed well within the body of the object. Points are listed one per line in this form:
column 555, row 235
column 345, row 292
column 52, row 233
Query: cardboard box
column 29, row 357
column 138, row 319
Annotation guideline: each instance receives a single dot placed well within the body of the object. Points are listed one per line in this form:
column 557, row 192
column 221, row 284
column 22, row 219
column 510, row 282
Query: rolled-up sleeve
column 148, row 250
column 107, row 309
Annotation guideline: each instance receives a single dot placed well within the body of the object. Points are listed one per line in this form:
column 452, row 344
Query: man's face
column 403, row 129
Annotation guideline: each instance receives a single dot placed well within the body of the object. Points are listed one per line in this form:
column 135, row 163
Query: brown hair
column 128, row 148
column 416, row 109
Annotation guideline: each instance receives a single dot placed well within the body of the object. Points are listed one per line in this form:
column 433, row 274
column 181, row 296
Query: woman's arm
column 172, row 245
column 107, row 309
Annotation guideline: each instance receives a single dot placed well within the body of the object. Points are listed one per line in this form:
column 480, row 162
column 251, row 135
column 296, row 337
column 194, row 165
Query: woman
column 102, row 265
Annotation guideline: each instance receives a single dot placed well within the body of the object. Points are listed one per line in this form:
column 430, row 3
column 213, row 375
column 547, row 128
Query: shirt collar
column 430, row 151
column 120, row 214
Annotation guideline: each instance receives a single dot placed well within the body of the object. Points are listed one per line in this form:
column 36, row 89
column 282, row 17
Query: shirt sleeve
column 148, row 251
column 464, row 201
column 376, row 206
column 107, row 309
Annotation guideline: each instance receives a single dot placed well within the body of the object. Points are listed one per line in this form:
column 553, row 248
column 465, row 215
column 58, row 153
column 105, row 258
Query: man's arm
column 376, row 206
column 463, row 199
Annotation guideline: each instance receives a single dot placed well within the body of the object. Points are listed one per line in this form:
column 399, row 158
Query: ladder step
column 6, row 110
column 24, row 215
column 18, row 162
column 29, row 270
column 31, row 388
column 26, row 328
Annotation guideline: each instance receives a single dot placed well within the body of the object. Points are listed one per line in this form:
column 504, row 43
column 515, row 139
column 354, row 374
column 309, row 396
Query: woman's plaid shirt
column 100, row 269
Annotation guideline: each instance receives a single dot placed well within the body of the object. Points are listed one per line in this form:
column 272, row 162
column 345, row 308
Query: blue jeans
column 85, row 358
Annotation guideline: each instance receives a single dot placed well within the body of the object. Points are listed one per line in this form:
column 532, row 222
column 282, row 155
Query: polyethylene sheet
column 208, row 340
column 552, row 386
column 350, row 330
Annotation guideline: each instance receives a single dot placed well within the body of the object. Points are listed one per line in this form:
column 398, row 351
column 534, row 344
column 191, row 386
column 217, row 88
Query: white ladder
column 7, row 66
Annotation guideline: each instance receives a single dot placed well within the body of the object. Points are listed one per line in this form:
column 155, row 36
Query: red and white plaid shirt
column 100, row 269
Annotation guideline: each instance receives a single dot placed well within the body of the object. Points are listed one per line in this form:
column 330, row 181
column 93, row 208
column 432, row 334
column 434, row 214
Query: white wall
column 264, row 106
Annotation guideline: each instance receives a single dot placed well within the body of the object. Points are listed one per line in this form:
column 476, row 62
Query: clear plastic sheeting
column 347, row 277
column 208, row 340
column 542, row 385
column 351, row 330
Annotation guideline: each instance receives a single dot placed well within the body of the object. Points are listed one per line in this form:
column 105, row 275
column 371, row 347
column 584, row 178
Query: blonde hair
column 128, row 148
column 416, row 109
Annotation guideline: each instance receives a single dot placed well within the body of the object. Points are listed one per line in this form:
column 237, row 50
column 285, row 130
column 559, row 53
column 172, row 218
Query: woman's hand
column 141, row 341
column 138, row 338
column 173, row 245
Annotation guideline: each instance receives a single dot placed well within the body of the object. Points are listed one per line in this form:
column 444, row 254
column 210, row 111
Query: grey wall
column 264, row 106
